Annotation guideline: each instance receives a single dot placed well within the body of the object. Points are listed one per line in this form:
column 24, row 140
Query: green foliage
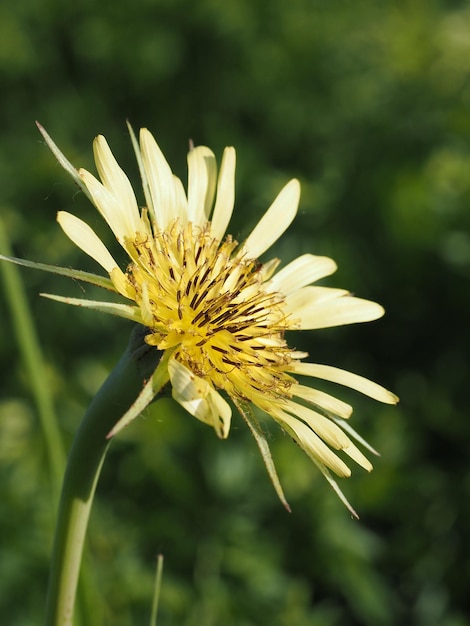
column 368, row 104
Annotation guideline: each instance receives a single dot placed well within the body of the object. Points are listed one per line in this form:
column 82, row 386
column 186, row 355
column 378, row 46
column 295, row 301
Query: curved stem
column 83, row 468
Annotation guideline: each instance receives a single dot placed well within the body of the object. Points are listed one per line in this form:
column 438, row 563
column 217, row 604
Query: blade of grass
column 156, row 591
column 31, row 355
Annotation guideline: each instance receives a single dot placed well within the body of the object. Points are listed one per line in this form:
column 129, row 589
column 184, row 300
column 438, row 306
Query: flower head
column 217, row 312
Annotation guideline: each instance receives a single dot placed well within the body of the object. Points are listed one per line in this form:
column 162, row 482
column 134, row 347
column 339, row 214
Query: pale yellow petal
column 202, row 179
column 145, row 307
column 347, row 379
column 86, row 239
column 181, row 201
column 356, row 455
column 122, row 284
column 222, row 413
column 267, row 270
column 304, row 270
column 274, row 222
column 108, row 205
column 116, row 181
column 330, row 432
column 336, row 312
column 323, row 400
column 301, row 300
column 200, row 399
column 311, row 443
column 159, row 178
column 225, row 194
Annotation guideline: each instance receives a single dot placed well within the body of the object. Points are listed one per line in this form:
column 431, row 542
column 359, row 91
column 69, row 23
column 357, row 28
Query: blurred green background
column 368, row 103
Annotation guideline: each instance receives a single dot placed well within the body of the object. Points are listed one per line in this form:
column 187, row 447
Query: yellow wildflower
column 220, row 314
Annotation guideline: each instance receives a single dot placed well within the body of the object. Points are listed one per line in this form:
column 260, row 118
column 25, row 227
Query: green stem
column 83, row 468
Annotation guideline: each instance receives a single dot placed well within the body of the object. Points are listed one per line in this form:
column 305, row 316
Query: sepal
column 113, row 308
column 63, row 161
column 84, row 277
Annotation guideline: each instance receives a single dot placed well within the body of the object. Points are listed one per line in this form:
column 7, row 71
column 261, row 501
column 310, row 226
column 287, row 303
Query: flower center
column 196, row 295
